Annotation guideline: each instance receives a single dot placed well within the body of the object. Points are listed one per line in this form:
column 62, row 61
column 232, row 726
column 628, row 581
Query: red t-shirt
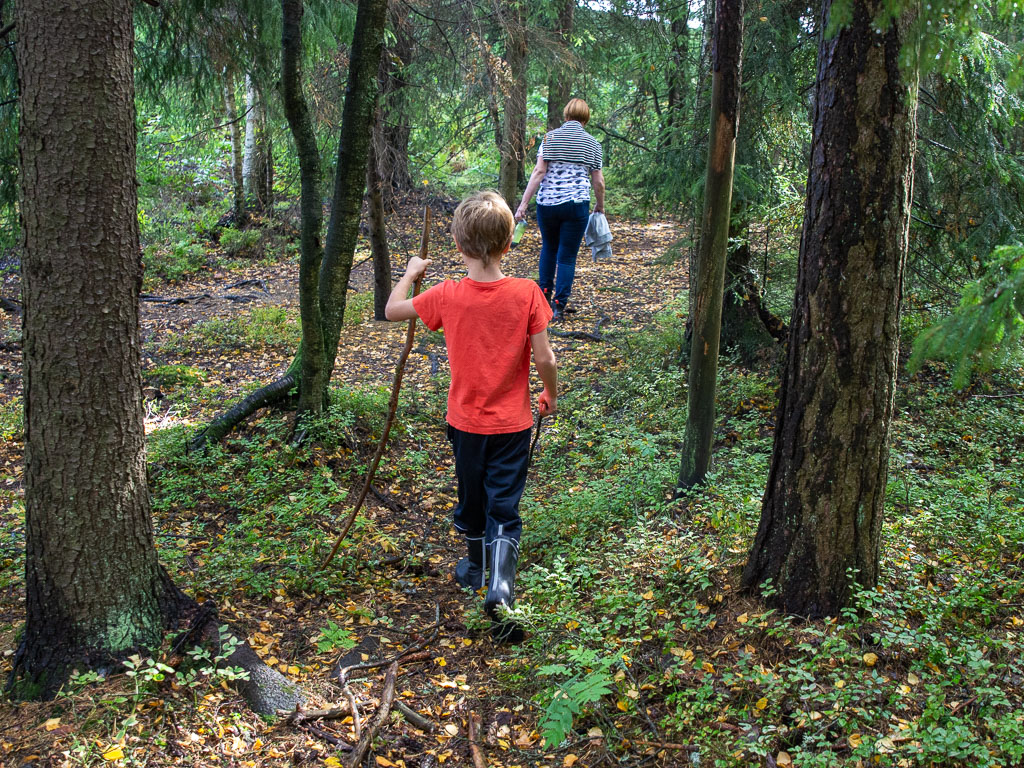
column 487, row 329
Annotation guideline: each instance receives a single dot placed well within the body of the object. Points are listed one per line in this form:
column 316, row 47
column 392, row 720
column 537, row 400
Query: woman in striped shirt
column 568, row 165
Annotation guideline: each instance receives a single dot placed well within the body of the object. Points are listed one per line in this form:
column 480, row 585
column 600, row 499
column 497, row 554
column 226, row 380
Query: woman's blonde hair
column 482, row 226
column 576, row 109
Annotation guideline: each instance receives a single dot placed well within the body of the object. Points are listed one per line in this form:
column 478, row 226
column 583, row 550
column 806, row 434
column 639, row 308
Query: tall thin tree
column 821, row 516
column 709, row 270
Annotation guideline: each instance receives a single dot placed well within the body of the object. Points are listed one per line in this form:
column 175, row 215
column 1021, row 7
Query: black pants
column 491, row 470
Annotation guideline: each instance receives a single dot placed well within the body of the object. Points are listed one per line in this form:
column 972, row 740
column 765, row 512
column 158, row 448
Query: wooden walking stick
column 392, row 405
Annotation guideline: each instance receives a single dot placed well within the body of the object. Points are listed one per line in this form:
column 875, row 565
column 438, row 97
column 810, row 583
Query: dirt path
column 410, row 545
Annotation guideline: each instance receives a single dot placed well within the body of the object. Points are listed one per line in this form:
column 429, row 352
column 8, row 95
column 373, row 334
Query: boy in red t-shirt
column 491, row 325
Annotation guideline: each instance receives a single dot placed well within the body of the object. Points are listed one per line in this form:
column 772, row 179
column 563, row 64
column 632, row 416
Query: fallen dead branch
column 406, row 655
column 415, row 718
column 479, row 761
column 300, row 716
column 668, row 745
column 387, row 698
column 581, row 335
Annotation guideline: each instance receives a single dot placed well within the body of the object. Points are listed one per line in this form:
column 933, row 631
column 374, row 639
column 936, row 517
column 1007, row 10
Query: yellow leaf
column 742, row 618
column 840, row 683
column 870, row 659
column 440, row 661
column 115, row 753
column 708, row 667
column 913, row 679
column 855, row 740
column 333, row 762
column 570, row 760
column 293, row 670
column 762, row 702
column 622, row 705
column 783, row 758
column 383, row 761
column 52, row 724
column 648, row 595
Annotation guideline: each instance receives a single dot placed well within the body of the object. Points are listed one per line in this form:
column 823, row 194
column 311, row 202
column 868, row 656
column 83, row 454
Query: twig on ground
column 154, row 299
column 581, row 335
column 474, row 746
column 388, row 500
column 414, row 717
column 669, row 745
column 387, row 698
column 356, row 725
column 1000, row 397
column 300, row 716
column 405, row 655
column 261, row 284
column 641, row 706
column 330, row 738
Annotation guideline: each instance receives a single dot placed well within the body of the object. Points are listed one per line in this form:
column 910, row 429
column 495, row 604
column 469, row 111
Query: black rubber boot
column 470, row 571
column 502, row 588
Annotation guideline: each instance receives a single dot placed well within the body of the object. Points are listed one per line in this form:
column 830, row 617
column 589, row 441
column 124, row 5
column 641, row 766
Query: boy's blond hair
column 576, row 109
column 482, row 226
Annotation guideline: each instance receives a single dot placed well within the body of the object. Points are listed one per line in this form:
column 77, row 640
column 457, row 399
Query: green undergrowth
column 254, row 329
column 637, row 628
column 257, row 514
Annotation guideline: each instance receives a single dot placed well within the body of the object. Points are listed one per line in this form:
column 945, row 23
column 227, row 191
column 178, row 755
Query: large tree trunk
column 313, row 375
column 513, row 134
column 237, row 177
column 560, row 76
column 821, row 516
column 94, row 589
column 258, row 159
column 709, row 271
column 350, row 175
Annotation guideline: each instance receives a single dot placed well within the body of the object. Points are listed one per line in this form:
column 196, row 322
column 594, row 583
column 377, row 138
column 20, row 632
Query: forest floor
column 640, row 650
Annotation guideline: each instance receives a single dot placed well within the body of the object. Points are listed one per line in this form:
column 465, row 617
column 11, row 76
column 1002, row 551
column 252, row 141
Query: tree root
column 479, row 761
column 266, row 691
column 271, row 394
column 379, row 718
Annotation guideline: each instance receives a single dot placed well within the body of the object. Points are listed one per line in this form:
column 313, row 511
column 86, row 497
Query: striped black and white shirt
column 571, row 154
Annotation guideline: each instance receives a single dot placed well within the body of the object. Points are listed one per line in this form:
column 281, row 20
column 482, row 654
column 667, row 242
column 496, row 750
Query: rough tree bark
column 95, row 591
column 258, row 157
column 560, row 76
column 709, row 270
column 513, row 127
column 821, row 515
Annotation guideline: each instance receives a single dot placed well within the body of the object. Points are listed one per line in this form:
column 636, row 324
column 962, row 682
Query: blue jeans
column 561, row 231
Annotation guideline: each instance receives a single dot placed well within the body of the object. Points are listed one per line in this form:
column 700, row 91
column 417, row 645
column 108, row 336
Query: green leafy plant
column 989, row 324
column 589, row 677
column 333, row 638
